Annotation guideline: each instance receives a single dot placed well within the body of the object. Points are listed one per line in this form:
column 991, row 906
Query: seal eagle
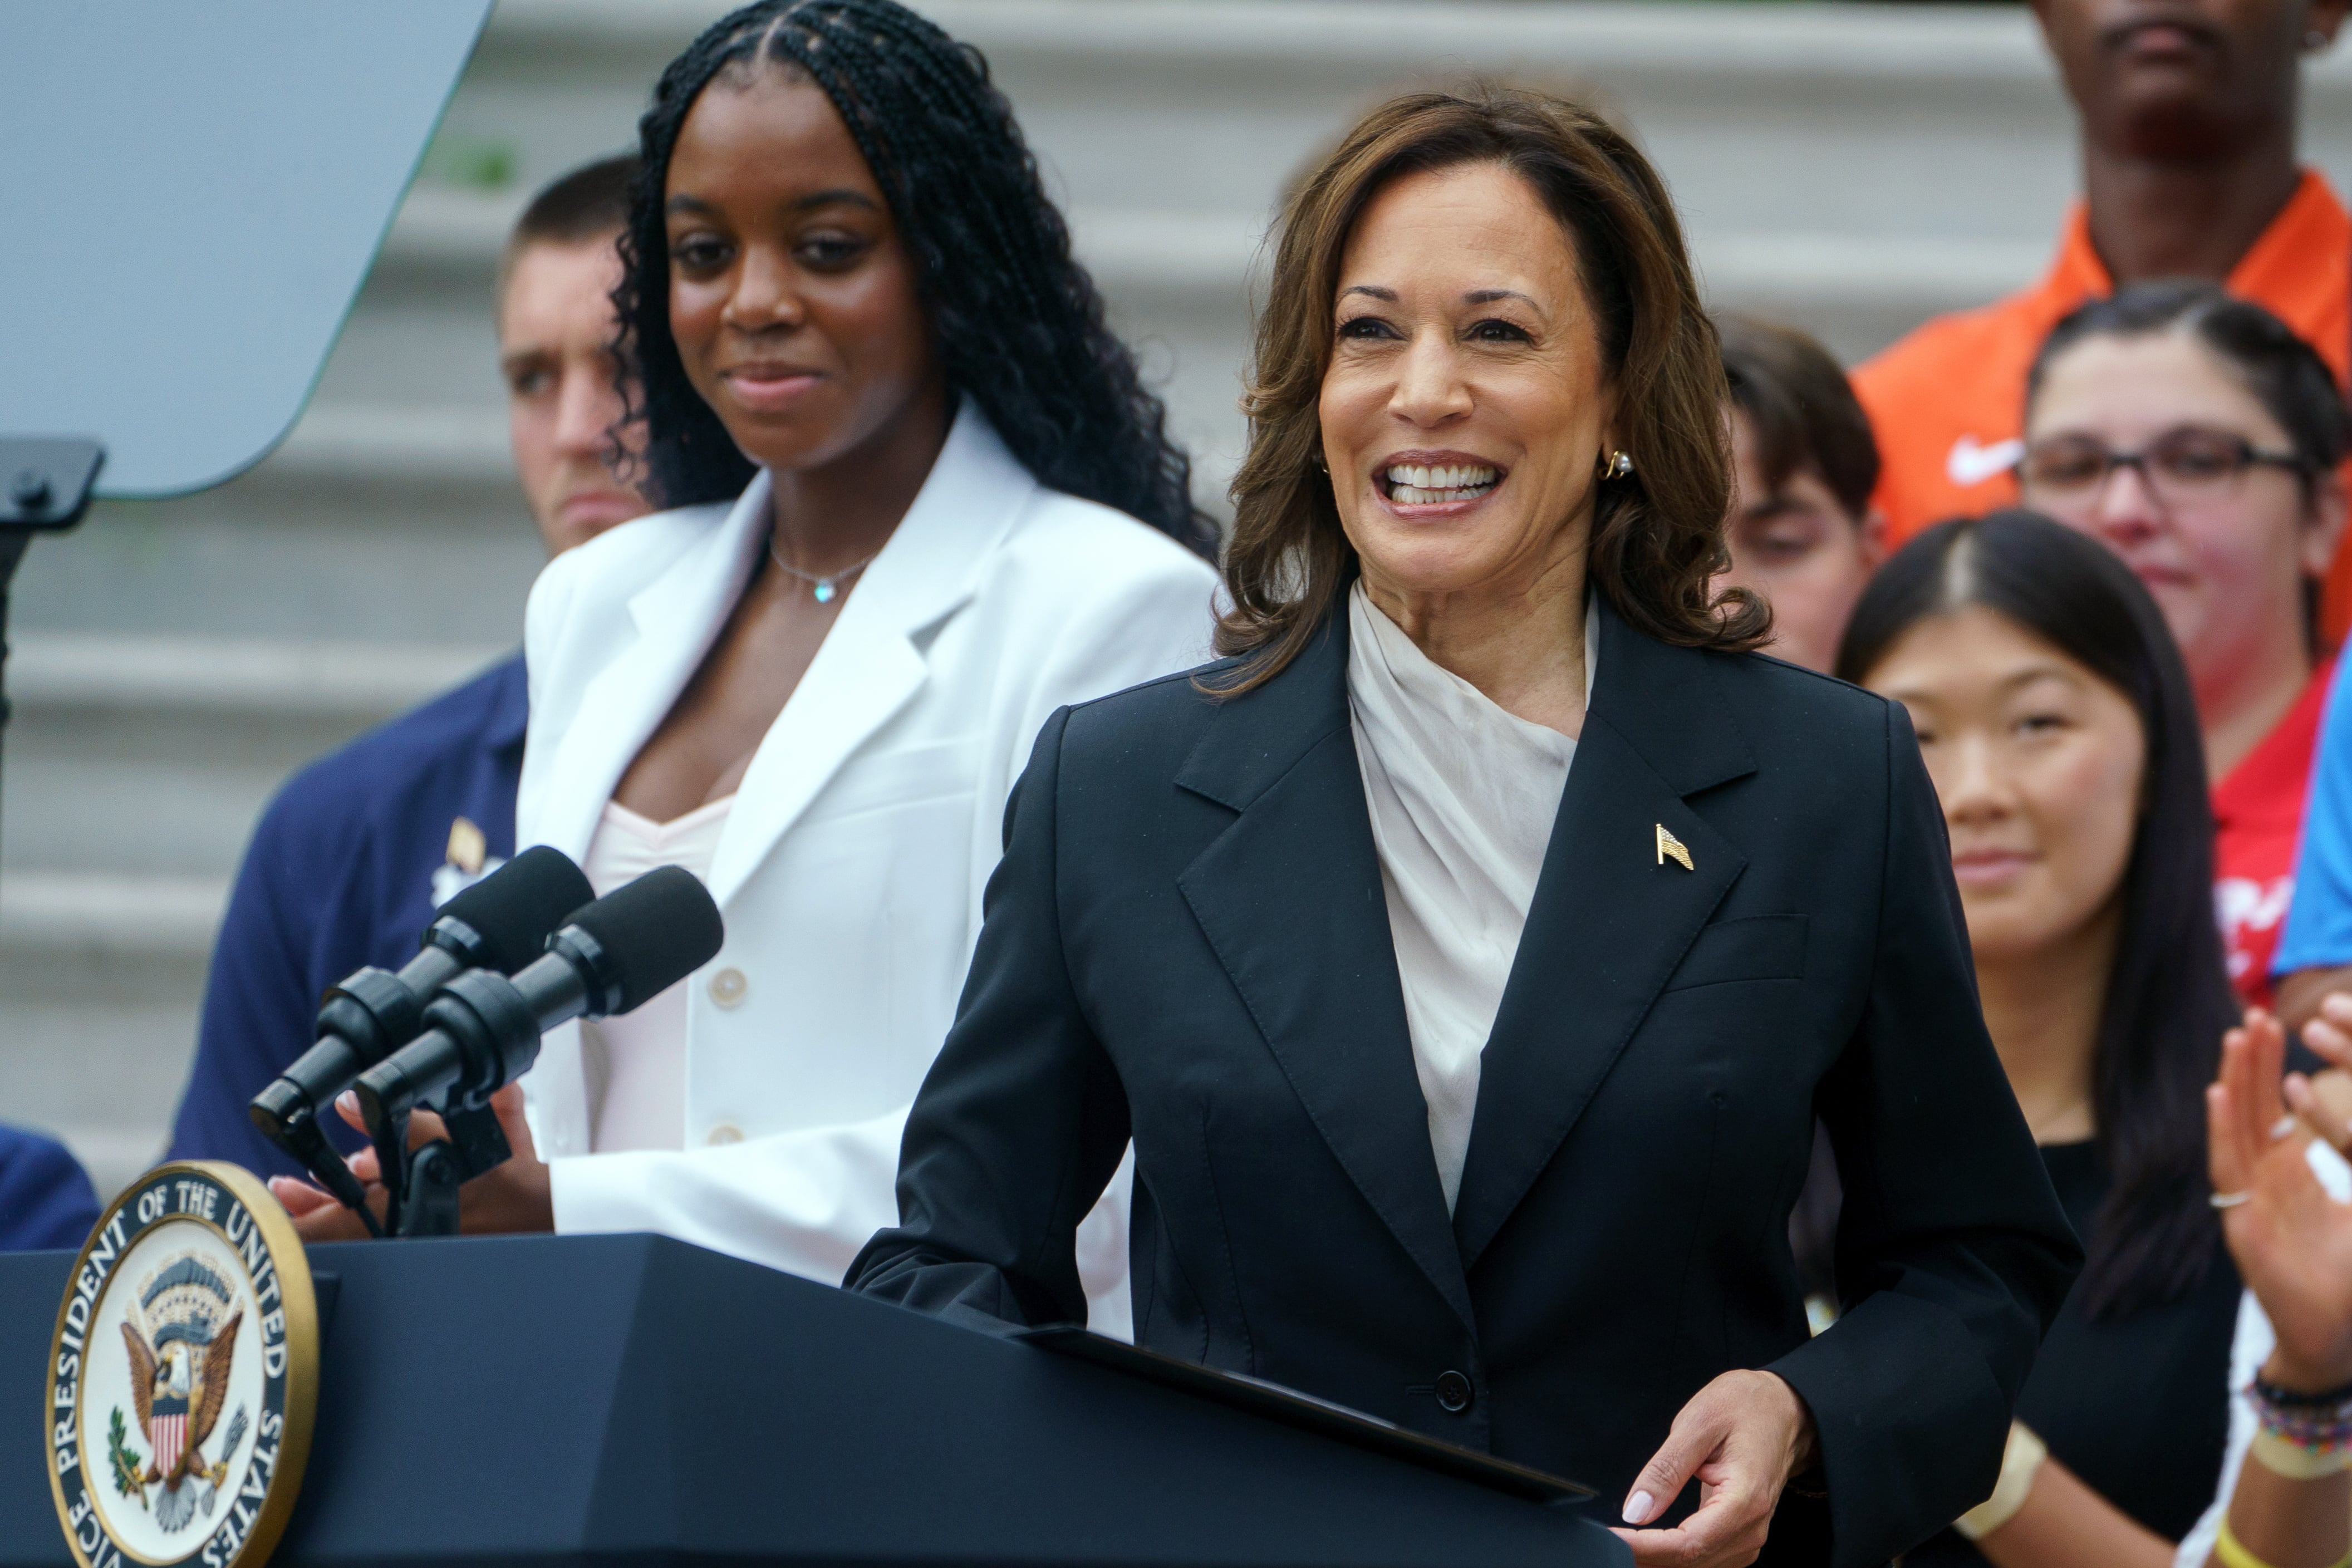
column 180, row 1391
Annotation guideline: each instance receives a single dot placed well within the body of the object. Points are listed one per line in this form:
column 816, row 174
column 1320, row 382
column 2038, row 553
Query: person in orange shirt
column 2189, row 111
column 2202, row 441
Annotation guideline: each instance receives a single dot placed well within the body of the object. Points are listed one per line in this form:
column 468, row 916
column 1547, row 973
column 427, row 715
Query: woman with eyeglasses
column 2200, row 438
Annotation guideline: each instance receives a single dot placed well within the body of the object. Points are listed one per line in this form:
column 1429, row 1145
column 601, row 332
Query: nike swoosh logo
column 1973, row 464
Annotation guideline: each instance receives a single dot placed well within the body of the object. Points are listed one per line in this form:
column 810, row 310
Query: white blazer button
column 728, row 986
column 725, row 1132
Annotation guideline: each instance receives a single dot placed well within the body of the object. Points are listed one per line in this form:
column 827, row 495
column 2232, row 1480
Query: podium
column 608, row 1399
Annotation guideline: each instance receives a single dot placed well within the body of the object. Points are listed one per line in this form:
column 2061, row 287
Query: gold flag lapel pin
column 1671, row 848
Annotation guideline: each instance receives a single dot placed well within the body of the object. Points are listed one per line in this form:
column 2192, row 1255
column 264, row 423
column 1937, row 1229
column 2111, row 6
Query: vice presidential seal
column 182, row 1375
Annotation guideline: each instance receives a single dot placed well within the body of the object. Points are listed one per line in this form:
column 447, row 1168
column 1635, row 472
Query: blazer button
column 725, row 1132
column 1455, row 1393
column 728, row 987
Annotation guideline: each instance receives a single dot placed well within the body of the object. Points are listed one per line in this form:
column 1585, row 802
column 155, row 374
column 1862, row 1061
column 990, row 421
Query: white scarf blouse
column 1462, row 796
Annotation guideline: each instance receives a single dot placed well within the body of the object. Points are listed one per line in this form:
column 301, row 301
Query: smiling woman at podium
column 1470, row 953
column 920, row 500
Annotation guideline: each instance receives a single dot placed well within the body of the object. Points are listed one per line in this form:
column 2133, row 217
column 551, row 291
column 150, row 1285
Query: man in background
column 1803, row 530
column 2188, row 112
column 349, row 862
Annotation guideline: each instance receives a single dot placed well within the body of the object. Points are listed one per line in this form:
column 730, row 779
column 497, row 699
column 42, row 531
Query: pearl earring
column 1616, row 465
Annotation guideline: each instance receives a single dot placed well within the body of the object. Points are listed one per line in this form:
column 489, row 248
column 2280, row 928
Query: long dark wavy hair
column 2168, row 998
column 1017, row 322
column 1657, row 533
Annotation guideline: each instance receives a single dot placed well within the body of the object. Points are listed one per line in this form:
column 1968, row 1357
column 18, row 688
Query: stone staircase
column 1850, row 168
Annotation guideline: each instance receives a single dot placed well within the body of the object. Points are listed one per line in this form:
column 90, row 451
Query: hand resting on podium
column 514, row 1196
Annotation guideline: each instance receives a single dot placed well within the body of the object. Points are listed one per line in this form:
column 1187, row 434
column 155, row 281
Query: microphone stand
column 421, row 1184
column 433, row 1182
column 392, row 1159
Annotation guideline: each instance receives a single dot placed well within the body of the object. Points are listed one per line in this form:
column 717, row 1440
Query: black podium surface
column 594, row 1399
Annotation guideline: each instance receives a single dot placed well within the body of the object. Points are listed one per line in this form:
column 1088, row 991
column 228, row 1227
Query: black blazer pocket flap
column 1755, row 948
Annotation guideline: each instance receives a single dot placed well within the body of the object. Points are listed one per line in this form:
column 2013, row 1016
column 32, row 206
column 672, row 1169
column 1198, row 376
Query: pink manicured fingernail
column 1638, row 1508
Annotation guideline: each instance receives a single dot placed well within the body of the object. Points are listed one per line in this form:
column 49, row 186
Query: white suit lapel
column 869, row 666
column 678, row 616
column 867, row 669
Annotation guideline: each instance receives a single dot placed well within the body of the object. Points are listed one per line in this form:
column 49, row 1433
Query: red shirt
column 1947, row 400
column 2257, row 813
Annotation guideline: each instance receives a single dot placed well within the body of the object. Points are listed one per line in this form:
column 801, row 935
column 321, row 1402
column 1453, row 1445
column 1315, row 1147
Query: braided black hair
column 1018, row 322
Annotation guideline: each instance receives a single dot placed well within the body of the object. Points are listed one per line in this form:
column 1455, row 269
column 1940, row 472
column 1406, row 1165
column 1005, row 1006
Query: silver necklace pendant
column 824, row 590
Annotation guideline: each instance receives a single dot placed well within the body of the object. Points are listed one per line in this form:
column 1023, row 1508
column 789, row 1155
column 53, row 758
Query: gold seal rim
column 300, row 1301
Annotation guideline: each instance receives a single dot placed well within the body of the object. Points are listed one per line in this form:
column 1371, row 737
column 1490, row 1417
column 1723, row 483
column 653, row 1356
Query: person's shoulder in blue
column 46, row 1198
column 2318, row 933
column 345, row 868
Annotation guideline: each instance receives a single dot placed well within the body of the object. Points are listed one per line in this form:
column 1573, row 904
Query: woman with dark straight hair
column 2057, row 720
column 1469, row 952
column 920, row 500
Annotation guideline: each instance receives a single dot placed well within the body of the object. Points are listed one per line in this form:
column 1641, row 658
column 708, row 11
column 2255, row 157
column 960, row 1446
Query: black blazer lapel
column 1290, row 897
column 1612, row 913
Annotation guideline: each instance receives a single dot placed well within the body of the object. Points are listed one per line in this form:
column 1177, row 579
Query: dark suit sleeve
column 1021, row 1121
column 1952, row 1246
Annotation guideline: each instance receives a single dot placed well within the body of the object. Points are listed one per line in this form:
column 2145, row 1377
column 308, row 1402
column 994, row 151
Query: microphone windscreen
column 518, row 905
column 655, row 932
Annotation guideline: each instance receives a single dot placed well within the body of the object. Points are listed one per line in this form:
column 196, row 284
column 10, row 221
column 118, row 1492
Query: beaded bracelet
column 2274, row 1394
column 2309, row 1434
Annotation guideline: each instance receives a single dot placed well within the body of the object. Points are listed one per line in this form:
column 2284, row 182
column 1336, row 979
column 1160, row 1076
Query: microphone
column 498, row 922
column 620, row 951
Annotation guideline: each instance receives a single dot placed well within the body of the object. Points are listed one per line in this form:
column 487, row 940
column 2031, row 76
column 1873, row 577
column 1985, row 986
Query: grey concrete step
column 99, row 979
column 154, row 754
column 136, row 766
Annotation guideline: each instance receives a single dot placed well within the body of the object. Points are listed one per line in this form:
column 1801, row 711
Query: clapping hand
column 2326, row 1101
column 2293, row 1243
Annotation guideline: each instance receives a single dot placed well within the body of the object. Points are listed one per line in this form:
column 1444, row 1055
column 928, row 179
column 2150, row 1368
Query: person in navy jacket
column 46, row 1198
column 350, row 861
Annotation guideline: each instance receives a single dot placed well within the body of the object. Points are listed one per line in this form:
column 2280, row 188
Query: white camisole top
column 637, row 1062
column 1462, row 796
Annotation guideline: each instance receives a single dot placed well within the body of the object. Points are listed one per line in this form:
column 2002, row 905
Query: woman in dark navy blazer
column 1469, row 955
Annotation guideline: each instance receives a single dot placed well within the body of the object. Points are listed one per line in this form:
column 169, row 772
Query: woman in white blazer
column 852, row 862
column 920, row 500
